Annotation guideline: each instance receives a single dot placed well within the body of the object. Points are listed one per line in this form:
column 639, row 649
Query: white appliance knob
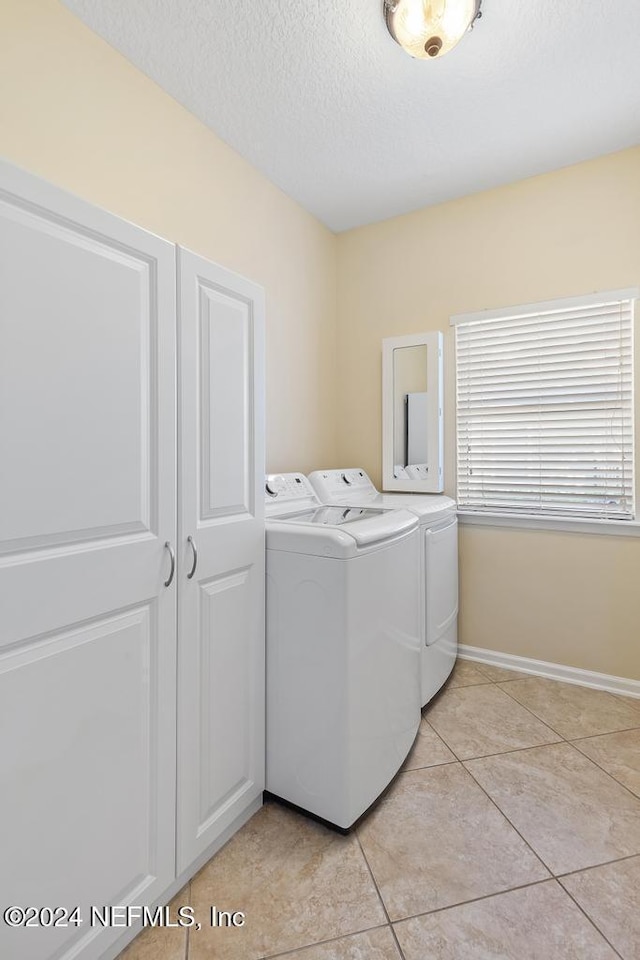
column 346, row 479
column 272, row 489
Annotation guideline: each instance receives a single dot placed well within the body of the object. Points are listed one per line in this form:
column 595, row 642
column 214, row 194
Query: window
column 545, row 409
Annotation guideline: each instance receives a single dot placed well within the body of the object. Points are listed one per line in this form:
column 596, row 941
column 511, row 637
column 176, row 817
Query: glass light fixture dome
column 429, row 28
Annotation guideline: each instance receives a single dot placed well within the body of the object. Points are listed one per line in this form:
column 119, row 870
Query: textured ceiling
column 318, row 97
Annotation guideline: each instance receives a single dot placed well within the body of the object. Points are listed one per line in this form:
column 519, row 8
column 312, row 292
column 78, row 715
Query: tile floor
column 512, row 833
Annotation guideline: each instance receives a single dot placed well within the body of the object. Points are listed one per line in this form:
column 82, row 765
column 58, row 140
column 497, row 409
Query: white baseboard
column 554, row 671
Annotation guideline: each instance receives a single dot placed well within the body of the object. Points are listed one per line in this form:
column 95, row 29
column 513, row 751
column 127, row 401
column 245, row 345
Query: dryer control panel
column 332, row 485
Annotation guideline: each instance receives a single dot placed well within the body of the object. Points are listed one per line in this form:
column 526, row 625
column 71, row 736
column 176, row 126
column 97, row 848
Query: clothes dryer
column 438, row 563
column 343, row 649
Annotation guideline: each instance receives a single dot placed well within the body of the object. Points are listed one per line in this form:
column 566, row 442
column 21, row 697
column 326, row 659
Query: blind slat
column 595, row 316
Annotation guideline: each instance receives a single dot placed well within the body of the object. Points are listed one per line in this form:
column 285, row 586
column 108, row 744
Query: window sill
column 616, row 528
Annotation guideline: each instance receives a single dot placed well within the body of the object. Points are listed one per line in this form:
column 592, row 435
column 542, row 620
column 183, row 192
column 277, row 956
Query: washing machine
column 343, row 649
column 438, row 563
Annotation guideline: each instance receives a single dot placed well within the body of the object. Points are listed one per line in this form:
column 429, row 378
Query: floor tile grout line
column 528, row 710
column 554, row 875
column 596, row 866
column 563, row 739
column 397, row 942
column 533, row 714
column 627, row 698
column 435, row 732
column 539, row 676
column 443, row 742
column 466, row 903
column 610, row 775
column 384, row 906
column 373, row 879
column 457, row 758
column 479, row 664
column 506, row 753
column 513, row 699
column 320, row 943
column 597, row 736
column 463, row 686
column 490, row 756
column 635, row 726
column 431, row 766
column 534, row 746
column 511, row 679
column 502, row 813
column 590, row 919
column 489, row 896
column 606, row 733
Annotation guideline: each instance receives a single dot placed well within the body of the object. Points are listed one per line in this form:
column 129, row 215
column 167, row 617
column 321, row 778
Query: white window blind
column 545, row 410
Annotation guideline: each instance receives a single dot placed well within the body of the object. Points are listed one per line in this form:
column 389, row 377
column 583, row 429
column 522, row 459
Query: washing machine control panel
column 288, row 488
column 332, row 484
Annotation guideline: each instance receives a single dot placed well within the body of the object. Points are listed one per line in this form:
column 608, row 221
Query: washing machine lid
column 333, row 515
column 338, row 531
column 353, row 486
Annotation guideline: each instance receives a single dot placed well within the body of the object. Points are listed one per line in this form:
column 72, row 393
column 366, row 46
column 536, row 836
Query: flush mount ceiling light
column 430, row 28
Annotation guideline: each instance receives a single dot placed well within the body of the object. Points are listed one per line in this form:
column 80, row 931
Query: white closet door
column 221, row 607
column 87, row 501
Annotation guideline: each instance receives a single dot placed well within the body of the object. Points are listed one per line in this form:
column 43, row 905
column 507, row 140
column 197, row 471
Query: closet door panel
column 221, row 633
column 226, row 671
column 83, row 314
column 225, row 405
column 87, row 639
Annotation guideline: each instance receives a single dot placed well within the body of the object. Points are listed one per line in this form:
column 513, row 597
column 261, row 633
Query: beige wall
column 568, row 598
column 77, row 113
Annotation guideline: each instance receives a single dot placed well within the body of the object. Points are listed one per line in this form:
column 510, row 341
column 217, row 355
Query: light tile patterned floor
column 512, row 833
